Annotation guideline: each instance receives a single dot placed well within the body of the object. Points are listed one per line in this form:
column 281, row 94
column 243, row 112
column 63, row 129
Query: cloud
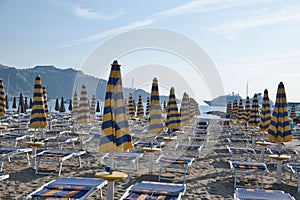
column 89, row 14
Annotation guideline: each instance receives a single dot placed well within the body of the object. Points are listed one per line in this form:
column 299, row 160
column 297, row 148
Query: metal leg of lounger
column 60, row 167
column 234, row 182
column 160, row 168
column 2, row 162
column 185, row 171
column 298, row 175
column 261, row 180
column 79, row 160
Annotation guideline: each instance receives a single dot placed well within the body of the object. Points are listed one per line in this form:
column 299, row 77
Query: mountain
column 59, row 83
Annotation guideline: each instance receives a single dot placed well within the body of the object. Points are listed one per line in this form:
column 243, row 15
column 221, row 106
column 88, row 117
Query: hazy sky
column 254, row 41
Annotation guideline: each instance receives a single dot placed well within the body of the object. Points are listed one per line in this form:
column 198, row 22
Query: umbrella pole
column 279, row 165
column 111, row 184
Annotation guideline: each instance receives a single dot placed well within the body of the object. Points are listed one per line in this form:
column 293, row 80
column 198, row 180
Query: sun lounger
column 59, row 141
column 141, row 144
column 195, row 148
column 252, row 194
column 68, row 188
column 56, row 156
column 295, row 167
column 243, row 167
column 179, row 162
column 7, row 152
column 237, row 141
column 127, row 159
column 154, row 191
column 14, row 137
column 3, row 176
column 240, row 151
column 292, row 152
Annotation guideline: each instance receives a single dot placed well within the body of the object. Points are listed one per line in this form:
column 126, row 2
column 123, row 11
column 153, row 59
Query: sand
column 209, row 176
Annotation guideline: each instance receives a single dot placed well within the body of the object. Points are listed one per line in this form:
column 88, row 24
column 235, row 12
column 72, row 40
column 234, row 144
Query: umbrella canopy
column 194, row 107
column 14, row 103
column 247, row 109
column 115, row 137
column 241, row 112
column 148, row 106
column 165, row 107
column 21, row 107
column 93, row 106
column 57, row 106
column 140, row 107
column 293, row 112
column 229, row 109
column 156, row 121
column 131, row 107
column 98, row 107
column 45, row 100
column 70, row 108
column 6, row 101
column 30, row 103
column 26, row 103
column 38, row 115
column 2, row 100
column 184, row 110
column 254, row 119
column 84, row 110
column 279, row 128
column 265, row 113
column 62, row 107
column 173, row 118
column 75, row 104
column 234, row 109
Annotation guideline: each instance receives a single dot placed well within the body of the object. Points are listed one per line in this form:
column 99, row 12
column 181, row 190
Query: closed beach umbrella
column 57, row 105
column 156, row 122
column 234, row 109
column 165, row 107
column 21, row 107
column 115, row 137
column 38, row 115
column 279, row 128
column 247, row 109
column 254, row 119
column 45, row 100
column 293, row 112
column 229, row 109
column 30, row 103
column 184, row 110
column 26, row 103
column 140, row 107
column 75, row 104
column 2, row 100
column 265, row 113
column 84, row 110
column 241, row 112
column 70, row 108
column 93, row 107
column 62, row 107
column 14, row 103
column 148, row 106
column 6, row 100
column 98, row 107
column 195, row 107
column 131, row 107
column 173, row 118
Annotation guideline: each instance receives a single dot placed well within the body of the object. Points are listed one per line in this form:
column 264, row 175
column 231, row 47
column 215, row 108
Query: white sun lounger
column 8, row 152
column 68, row 188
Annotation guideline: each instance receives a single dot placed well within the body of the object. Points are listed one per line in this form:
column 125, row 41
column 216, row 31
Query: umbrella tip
column 115, row 63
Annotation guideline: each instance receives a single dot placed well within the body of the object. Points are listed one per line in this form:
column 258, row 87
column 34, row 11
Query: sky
column 232, row 43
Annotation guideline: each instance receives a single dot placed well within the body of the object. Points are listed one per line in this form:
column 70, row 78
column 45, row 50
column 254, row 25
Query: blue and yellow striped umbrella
column 173, row 117
column 156, row 122
column 84, row 110
column 241, row 112
column 38, row 115
column 265, row 113
column 254, row 119
column 229, row 109
column 2, row 100
column 293, row 112
column 148, row 106
column 75, row 104
column 93, row 106
column 131, row 107
column 184, row 110
column 280, row 129
column 140, row 107
column 115, row 135
column 247, row 110
column 235, row 109
column 45, row 100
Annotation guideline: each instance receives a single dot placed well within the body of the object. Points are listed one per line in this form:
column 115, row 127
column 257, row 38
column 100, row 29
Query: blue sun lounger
column 13, row 137
column 195, row 148
column 70, row 188
column 241, row 151
column 154, row 191
column 56, row 156
column 7, row 152
column 295, row 167
column 252, row 194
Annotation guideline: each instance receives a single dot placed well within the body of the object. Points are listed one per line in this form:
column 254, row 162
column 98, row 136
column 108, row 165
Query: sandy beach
column 209, row 176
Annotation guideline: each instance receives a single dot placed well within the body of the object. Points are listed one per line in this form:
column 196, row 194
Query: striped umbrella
column 254, row 119
column 148, row 106
column 279, row 128
column 98, row 107
column 6, row 101
column 62, row 107
column 38, row 115
column 265, row 113
column 173, row 118
column 57, row 106
column 140, row 107
column 229, row 108
column 26, row 103
column 93, row 106
column 21, row 107
column 2, row 99
column 241, row 112
column 235, row 109
column 131, row 107
column 293, row 112
column 70, row 107
column 75, row 104
column 15, row 103
column 156, row 122
column 30, row 103
column 196, row 107
column 247, row 109
column 165, row 107
column 83, row 111
column 45, row 100
column 184, row 110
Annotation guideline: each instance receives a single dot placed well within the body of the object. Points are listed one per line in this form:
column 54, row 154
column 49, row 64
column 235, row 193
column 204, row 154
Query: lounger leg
column 298, row 183
column 110, row 190
column 60, row 166
column 79, row 160
column 160, row 168
column 234, row 182
column 261, row 180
